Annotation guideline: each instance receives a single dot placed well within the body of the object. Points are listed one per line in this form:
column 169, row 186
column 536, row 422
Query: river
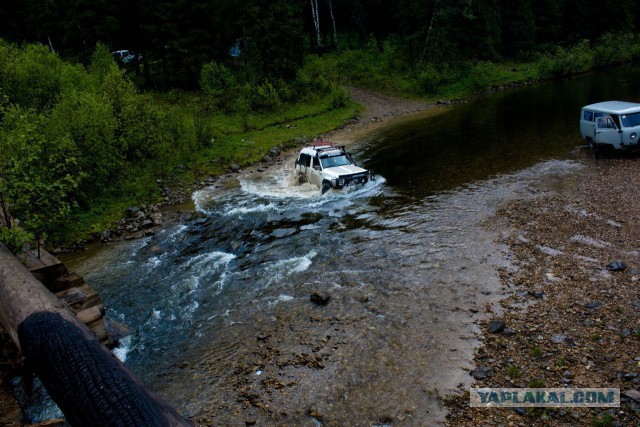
column 219, row 302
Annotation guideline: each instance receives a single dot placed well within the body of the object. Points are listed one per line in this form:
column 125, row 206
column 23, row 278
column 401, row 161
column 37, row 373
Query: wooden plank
column 98, row 329
column 80, row 297
column 46, row 260
column 90, row 314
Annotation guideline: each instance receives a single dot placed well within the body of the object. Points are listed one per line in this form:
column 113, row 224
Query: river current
column 411, row 260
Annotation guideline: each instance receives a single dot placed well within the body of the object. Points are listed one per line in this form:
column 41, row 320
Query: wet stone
column 617, row 266
column 593, row 305
column 538, row 294
column 496, row 326
column 132, row 212
column 632, row 394
column 235, row 168
column 558, row 339
column 320, row 298
column 481, row 372
column 147, row 223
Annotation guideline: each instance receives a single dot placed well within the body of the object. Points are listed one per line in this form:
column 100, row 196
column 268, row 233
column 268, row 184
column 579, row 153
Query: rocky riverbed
column 572, row 317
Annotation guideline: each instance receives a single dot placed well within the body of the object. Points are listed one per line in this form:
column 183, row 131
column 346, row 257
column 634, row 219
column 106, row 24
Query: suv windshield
column 630, row 120
column 330, row 162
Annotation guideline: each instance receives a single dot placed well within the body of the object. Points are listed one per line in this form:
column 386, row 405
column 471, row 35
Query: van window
column 606, row 123
column 630, row 120
column 588, row 115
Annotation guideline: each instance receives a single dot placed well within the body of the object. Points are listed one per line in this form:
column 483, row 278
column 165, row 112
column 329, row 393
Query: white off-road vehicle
column 329, row 166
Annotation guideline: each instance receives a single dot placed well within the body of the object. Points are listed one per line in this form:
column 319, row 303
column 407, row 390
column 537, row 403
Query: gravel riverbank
column 572, row 315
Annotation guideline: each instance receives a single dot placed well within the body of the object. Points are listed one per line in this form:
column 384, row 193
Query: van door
column 587, row 125
column 607, row 132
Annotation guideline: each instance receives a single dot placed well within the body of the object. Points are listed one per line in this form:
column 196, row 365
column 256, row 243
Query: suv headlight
column 333, row 183
column 341, row 181
column 633, row 136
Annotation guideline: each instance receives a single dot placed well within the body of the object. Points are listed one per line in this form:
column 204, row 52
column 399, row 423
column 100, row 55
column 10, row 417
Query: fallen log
column 89, row 384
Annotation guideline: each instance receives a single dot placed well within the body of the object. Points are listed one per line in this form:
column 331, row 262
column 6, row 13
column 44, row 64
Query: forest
column 202, row 77
column 176, row 38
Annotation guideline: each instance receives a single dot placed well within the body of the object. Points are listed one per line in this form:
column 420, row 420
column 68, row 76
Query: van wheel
column 326, row 186
column 604, row 151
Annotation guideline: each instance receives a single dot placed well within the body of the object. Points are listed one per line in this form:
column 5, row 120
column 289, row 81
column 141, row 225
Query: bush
column 15, row 239
column 613, row 49
column 216, row 79
column 88, row 119
column 563, row 62
column 264, row 97
column 483, row 75
column 429, row 79
column 339, row 98
column 30, row 77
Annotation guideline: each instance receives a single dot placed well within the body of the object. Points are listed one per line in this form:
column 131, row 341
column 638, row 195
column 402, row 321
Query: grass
column 536, row 383
column 536, row 351
column 513, row 372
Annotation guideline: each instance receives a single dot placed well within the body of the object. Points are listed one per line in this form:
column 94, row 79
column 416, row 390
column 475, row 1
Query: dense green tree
column 274, row 38
column 38, row 173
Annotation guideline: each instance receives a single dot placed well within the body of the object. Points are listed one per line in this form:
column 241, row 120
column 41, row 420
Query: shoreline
column 570, row 318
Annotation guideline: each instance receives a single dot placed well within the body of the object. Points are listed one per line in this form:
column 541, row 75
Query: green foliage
column 15, row 239
column 429, row 79
column 561, row 361
column 565, row 62
column 216, row 79
column 264, row 97
column 513, row 372
column 274, row 38
column 604, row 420
column 483, row 74
column 39, row 173
column 536, row 383
column 536, row 351
column 30, row 77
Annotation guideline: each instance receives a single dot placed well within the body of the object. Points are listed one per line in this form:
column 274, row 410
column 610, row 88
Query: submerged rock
column 320, row 298
column 617, row 266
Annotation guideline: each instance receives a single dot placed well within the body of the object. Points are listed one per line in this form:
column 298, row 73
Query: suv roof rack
column 320, row 144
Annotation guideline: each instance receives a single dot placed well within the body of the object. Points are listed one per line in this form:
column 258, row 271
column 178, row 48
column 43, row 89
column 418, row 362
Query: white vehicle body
column 611, row 125
column 328, row 166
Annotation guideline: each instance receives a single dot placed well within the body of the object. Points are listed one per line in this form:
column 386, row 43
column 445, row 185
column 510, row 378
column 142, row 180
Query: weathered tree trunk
column 333, row 21
column 426, row 41
column 89, row 384
column 316, row 20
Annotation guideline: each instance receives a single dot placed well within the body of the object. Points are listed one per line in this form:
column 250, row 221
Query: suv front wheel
column 326, row 186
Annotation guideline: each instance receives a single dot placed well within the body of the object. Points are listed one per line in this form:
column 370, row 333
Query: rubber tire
column 91, row 386
column 326, row 186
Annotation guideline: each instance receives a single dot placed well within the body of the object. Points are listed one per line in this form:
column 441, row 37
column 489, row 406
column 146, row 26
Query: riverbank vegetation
column 198, row 86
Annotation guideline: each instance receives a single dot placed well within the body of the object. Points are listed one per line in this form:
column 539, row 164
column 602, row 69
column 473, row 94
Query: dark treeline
column 176, row 38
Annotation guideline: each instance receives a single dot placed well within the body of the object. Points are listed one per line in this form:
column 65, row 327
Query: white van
column 611, row 125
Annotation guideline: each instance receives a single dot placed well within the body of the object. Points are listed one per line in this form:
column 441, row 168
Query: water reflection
column 497, row 134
